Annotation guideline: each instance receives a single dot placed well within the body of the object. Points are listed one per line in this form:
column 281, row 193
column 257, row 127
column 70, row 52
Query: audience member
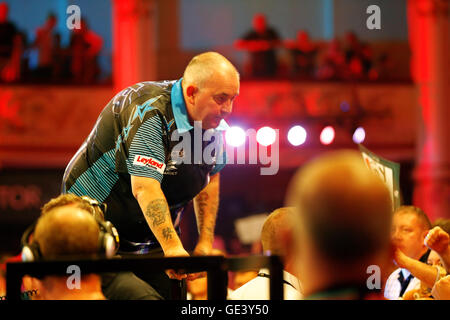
column 261, row 42
column 115, row 286
column 439, row 241
column 303, row 53
column 46, row 44
column 63, row 232
column 342, row 219
column 85, row 47
column 11, row 47
column 427, row 273
column 358, row 57
column 275, row 226
column 331, row 63
column 410, row 225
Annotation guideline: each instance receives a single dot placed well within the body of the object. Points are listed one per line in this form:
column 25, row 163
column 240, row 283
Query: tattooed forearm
column 167, row 233
column 157, row 211
column 206, row 211
column 202, row 203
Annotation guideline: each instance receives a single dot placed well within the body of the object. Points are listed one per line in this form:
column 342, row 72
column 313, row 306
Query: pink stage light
column 297, row 135
column 327, row 135
column 266, row 136
column 359, row 135
column 235, row 136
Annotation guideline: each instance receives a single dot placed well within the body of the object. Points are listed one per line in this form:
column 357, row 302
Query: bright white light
column 327, row 135
column 297, row 135
column 266, row 136
column 359, row 135
column 235, row 136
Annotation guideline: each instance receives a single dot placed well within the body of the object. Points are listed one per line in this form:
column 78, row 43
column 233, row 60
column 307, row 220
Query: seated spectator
column 115, row 286
column 64, row 232
column 439, row 241
column 428, row 274
column 261, row 43
column 303, row 53
column 258, row 288
column 410, row 225
column 342, row 221
column 85, row 47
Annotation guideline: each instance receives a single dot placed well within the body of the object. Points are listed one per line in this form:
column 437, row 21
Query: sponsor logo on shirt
column 149, row 162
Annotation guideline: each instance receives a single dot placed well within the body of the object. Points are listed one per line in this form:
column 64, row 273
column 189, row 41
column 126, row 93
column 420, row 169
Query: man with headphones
column 71, row 225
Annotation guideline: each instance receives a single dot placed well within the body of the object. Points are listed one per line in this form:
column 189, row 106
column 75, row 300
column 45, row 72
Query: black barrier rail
column 216, row 268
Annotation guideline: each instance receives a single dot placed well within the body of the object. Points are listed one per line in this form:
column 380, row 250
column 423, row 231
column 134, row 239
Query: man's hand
column 203, row 249
column 177, row 252
column 154, row 206
column 400, row 259
column 437, row 240
column 441, row 290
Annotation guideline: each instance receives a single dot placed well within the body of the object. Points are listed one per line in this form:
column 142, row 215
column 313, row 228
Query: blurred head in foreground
column 342, row 221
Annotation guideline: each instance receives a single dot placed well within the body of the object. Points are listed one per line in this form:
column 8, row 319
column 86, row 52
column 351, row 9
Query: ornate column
column 428, row 22
column 134, row 41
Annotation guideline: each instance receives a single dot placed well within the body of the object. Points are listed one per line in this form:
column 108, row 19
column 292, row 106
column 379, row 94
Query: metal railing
column 216, row 267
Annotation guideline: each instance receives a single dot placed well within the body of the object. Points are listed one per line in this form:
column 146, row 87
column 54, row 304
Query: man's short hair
column 344, row 208
column 79, row 202
column 275, row 222
column 419, row 213
column 67, row 231
column 202, row 67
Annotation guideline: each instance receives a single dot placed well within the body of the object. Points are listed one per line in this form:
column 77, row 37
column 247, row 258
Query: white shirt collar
column 288, row 277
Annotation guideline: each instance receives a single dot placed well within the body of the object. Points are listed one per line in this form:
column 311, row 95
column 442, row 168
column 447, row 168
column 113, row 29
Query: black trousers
column 169, row 289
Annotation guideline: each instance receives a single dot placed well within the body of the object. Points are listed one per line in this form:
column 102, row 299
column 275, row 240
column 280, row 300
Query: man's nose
column 395, row 236
column 227, row 108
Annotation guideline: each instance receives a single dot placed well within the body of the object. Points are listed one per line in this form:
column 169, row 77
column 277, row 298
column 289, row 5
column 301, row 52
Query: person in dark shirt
column 261, row 42
column 8, row 41
column 132, row 162
column 303, row 53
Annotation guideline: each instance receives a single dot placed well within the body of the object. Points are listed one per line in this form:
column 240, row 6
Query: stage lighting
column 359, row 135
column 266, row 136
column 327, row 135
column 235, row 136
column 297, row 135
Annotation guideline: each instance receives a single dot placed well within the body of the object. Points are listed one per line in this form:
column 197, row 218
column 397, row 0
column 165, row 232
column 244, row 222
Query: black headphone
column 108, row 235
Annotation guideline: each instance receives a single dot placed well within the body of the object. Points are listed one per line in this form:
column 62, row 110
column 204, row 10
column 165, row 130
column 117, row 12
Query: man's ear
column 191, row 90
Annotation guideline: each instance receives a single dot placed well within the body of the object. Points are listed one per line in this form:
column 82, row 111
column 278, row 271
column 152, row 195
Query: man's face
column 214, row 101
column 408, row 235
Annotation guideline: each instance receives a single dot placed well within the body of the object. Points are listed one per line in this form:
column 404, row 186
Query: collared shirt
column 259, row 288
column 393, row 287
column 133, row 137
column 180, row 111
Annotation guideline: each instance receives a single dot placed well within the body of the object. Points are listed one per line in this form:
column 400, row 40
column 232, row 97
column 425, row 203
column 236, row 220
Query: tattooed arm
column 154, row 205
column 206, row 204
